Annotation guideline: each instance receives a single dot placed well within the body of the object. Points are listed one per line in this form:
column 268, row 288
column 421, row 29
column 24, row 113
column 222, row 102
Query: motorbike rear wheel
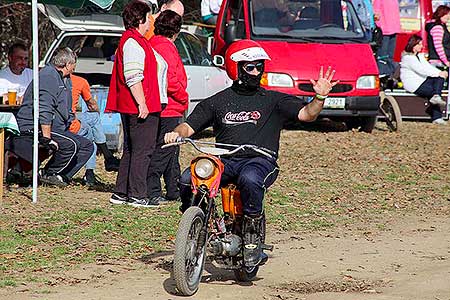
column 189, row 255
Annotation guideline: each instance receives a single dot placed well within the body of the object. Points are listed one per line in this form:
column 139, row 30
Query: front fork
column 210, row 207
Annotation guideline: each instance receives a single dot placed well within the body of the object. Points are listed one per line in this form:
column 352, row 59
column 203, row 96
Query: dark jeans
column 139, row 144
column 72, row 154
column 164, row 162
column 385, row 55
column 432, row 86
column 251, row 175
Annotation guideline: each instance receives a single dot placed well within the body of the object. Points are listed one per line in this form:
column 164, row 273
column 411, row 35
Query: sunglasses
column 251, row 66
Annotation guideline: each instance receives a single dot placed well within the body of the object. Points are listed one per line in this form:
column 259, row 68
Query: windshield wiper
column 290, row 37
column 356, row 40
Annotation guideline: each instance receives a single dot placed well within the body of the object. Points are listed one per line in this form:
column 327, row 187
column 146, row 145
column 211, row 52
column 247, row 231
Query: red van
column 300, row 36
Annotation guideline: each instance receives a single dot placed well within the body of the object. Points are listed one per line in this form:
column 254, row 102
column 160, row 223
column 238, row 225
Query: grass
column 326, row 181
column 67, row 237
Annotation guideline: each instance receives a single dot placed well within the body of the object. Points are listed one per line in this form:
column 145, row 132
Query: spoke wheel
column 189, row 256
column 391, row 111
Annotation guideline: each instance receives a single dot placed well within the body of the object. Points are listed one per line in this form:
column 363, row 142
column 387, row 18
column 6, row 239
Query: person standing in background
column 209, row 10
column 134, row 93
column 165, row 161
column 387, row 17
column 439, row 37
column 364, row 10
column 16, row 75
column 175, row 5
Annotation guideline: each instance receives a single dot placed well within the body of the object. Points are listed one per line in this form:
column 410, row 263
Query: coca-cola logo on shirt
column 242, row 117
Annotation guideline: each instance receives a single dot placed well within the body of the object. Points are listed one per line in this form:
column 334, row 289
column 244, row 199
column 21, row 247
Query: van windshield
column 325, row 20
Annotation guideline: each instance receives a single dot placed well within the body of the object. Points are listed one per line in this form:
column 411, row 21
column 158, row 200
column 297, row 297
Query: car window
column 182, row 48
column 198, row 50
column 92, row 46
column 95, row 55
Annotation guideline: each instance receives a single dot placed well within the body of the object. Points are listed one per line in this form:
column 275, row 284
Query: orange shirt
column 148, row 35
column 80, row 87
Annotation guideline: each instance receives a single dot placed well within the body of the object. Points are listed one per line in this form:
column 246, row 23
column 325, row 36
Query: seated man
column 70, row 151
column 16, row 75
column 88, row 125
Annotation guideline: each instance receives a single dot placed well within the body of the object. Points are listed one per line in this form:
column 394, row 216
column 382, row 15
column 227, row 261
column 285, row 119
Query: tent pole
column 34, row 14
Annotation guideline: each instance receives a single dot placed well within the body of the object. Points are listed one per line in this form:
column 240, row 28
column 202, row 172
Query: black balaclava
column 247, row 83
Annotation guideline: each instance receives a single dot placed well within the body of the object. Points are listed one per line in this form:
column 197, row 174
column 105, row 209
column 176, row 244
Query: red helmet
column 243, row 50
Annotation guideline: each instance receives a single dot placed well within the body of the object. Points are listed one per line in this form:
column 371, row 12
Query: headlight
column 277, row 79
column 204, row 168
column 368, row 82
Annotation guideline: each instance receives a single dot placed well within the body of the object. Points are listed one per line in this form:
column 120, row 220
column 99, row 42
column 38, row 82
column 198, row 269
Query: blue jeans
column 252, row 177
column 430, row 87
column 91, row 128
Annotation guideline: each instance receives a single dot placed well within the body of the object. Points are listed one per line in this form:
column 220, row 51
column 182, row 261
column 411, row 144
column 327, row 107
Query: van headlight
column 204, row 168
column 277, row 80
column 368, row 82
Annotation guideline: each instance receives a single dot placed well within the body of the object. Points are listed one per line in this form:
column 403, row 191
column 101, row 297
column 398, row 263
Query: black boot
column 252, row 234
column 111, row 162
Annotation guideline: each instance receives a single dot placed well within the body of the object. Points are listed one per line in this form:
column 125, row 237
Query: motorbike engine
column 229, row 245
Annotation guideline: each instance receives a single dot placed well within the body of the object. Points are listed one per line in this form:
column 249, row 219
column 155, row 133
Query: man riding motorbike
column 246, row 113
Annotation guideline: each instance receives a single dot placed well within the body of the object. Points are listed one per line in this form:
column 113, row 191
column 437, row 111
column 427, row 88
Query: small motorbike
column 204, row 229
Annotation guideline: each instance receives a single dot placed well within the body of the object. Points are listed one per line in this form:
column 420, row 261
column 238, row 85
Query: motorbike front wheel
column 189, row 256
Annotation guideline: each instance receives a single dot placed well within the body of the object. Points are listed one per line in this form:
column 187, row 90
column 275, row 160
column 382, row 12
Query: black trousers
column 72, row 154
column 430, row 87
column 139, row 144
column 164, row 162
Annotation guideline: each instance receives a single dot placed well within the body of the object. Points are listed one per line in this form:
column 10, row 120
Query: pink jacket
column 389, row 13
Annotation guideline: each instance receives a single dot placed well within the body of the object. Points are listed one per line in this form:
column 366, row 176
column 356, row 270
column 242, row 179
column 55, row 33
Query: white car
column 95, row 39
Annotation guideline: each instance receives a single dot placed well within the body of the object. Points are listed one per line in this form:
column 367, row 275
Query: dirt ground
column 374, row 254
column 410, row 261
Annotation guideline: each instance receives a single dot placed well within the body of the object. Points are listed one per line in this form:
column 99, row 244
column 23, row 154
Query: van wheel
column 365, row 124
column 368, row 124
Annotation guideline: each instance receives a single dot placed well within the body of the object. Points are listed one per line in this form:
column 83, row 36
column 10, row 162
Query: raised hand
column 324, row 84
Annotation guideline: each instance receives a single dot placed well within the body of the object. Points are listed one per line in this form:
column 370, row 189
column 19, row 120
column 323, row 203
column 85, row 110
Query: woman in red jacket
column 134, row 93
column 165, row 161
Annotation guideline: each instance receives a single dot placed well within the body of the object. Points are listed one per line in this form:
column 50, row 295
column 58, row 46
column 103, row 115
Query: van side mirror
column 230, row 33
column 218, row 60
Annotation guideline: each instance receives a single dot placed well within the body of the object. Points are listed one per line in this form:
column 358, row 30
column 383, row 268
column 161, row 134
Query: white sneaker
column 439, row 121
column 437, row 100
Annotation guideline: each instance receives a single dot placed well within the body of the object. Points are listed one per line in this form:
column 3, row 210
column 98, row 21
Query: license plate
column 331, row 102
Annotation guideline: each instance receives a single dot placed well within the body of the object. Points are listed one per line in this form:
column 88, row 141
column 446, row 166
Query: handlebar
column 220, row 151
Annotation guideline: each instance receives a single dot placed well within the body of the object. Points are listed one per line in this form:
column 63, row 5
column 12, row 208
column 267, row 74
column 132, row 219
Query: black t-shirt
column 246, row 119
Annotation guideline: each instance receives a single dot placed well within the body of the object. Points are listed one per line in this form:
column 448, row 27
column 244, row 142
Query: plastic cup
column 12, row 96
